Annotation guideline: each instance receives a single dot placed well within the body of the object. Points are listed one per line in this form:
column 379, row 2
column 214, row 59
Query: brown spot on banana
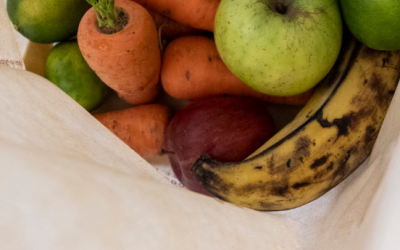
column 303, row 145
column 320, row 161
column 300, row 185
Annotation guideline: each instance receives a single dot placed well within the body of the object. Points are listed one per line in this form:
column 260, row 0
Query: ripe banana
column 330, row 137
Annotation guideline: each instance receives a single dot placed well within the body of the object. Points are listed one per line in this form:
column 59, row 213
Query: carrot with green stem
column 119, row 41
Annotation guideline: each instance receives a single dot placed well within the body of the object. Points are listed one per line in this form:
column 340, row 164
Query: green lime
column 66, row 68
column 47, row 21
column 374, row 22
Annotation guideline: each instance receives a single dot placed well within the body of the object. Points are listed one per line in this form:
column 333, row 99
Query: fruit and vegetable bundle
column 227, row 62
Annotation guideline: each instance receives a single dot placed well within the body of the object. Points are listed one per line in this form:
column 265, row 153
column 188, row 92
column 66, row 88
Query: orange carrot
column 169, row 29
column 127, row 60
column 192, row 69
column 199, row 14
column 141, row 128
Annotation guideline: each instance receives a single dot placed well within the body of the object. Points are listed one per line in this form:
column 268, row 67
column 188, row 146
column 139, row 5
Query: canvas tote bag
column 66, row 182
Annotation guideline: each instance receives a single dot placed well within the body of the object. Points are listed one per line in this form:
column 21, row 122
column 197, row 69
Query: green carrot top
column 107, row 15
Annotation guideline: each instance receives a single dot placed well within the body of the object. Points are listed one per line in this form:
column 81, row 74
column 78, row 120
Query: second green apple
column 279, row 47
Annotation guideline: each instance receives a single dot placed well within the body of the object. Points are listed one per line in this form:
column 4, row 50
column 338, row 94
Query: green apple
column 279, row 47
column 374, row 22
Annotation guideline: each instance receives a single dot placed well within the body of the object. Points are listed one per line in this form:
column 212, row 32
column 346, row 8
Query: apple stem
column 281, row 8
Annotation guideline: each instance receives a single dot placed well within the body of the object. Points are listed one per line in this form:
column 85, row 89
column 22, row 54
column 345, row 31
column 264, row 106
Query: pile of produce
column 230, row 59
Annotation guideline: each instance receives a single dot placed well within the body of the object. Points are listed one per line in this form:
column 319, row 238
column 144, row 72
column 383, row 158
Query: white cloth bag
column 66, row 182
